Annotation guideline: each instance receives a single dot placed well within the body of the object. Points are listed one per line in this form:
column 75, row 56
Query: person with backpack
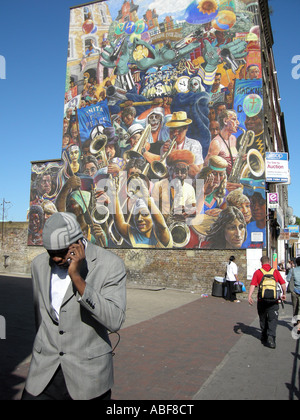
column 267, row 279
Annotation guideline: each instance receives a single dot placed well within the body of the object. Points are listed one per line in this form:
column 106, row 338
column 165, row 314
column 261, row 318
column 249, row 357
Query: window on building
column 102, row 11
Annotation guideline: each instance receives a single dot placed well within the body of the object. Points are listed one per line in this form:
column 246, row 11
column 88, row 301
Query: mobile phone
column 69, row 259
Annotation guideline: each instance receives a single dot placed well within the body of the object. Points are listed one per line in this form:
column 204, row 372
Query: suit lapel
column 91, row 259
column 45, row 276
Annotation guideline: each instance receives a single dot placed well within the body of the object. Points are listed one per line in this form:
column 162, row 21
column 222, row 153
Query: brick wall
column 180, row 269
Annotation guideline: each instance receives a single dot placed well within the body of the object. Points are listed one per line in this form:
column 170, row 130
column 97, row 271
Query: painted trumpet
column 159, row 167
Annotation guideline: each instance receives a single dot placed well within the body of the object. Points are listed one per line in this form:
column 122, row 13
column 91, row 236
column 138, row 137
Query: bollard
column 2, row 328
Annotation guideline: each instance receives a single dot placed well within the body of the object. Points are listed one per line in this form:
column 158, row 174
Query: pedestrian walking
column 79, row 295
column 231, row 278
column 267, row 308
column 293, row 279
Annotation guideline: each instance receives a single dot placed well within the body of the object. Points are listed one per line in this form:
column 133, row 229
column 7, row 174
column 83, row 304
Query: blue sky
column 34, row 37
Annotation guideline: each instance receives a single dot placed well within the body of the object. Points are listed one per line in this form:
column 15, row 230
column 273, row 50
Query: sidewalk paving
column 174, row 345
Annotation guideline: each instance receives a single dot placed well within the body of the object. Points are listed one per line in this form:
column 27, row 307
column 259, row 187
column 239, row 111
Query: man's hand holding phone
column 76, row 256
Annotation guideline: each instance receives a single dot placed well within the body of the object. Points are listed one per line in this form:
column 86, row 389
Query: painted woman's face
column 143, row 221
column 234, row 234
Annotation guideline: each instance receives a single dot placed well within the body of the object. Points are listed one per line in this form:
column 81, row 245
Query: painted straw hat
column 179, row 119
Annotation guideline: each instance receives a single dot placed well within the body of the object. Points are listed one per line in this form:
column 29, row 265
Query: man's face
column 218, row 178
column 110, row 151
column 128, row 119
column 254, row 123
column 212, row 114
column 34, row 222
column 133, row 171
column 214, row 128
column 74, row 130
column 90, row 169
column 232, row 123
column 155, row 121
column 74, row 153
column 45, row 185
column 258, row 208
column 178, row 133
column 217, row 81
column 253, row 72
column 60, row 257
column 180, row 171
column 134, row 139
column 220, row 109
column 246, row 210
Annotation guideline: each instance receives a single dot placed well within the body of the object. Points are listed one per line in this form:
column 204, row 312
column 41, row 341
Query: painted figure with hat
column 113, row 153
column 135, row 132
column 175, row 194
column 212, row 194
column 178, row 126
column 157, row 118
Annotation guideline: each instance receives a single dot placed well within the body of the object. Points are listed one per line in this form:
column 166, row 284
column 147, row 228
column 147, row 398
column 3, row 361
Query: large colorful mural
column 162, row 143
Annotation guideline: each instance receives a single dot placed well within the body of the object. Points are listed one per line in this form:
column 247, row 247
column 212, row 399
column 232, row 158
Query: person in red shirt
column 267, row 311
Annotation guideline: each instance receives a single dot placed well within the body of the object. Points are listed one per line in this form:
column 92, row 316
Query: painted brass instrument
column 100, row 214
column 246, row 142
column 136, row 151
column 97, row 148
column 159, row 167
column 255, row 165
column 99, row 238
column 180, row 233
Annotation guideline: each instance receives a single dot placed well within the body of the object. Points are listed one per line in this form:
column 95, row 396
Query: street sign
column 273, row 200
column 277, row 167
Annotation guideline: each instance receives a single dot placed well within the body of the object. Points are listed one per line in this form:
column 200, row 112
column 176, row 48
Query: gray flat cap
column 60, row 231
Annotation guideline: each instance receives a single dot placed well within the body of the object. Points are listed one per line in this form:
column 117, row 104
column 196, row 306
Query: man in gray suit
column 79, row 295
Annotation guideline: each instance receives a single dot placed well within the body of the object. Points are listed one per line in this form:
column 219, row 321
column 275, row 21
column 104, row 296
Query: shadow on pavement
column 241, row 328
column 16, row 306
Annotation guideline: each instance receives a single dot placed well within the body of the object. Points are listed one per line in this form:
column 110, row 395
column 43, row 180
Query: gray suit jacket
column 79, row 340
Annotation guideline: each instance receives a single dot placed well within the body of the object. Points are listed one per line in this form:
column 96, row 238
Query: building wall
column 192, row 270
